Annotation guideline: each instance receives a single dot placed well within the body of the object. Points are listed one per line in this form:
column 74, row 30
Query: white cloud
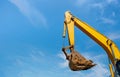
column 81, row 2
column 99, row 6
column 108, row 21
column 100, row 70
column 114, row 36
column 37, row 56
column 63, row 64
column 112, row 1
column 26, row 73
column 34, row 15
column 34, row 57
column 61, row 55
column 113, row 14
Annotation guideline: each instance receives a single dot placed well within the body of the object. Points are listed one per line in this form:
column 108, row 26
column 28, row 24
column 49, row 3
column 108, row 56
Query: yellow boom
column 108, row 45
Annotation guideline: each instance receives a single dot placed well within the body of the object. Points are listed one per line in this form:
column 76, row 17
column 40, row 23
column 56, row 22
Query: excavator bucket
column 77, row 61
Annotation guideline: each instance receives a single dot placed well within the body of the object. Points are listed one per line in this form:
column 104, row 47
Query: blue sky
column 31, row 36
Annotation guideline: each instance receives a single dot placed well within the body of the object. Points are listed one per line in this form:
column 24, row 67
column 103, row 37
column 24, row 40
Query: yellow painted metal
column 64, row 30
column 111, row 70
column 108, row 45
column 111, row 49
column 69, row 26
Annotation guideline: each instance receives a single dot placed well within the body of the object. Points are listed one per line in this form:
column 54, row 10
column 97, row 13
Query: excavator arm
column 108, row 45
